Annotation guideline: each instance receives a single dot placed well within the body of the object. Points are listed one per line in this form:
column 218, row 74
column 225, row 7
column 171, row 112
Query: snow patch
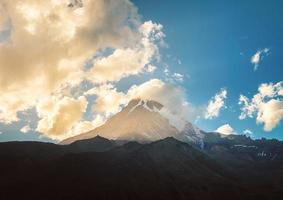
column 133, row 108
column 261, row 154
column 148, row 108
column 144, row 104
column 245, row 146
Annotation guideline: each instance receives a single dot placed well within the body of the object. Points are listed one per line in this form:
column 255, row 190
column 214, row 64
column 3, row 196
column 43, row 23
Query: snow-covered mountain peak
column 150, row 105
column 142, row 120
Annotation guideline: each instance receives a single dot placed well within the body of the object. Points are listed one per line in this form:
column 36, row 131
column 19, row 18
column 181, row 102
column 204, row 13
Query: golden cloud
column 58, row 116
column 45, row 54
column 49, row 43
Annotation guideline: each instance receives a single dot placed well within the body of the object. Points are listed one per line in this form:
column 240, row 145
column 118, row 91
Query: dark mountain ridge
column 166, row 169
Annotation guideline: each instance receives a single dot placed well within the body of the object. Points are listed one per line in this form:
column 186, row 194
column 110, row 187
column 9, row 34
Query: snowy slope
column 141, row 120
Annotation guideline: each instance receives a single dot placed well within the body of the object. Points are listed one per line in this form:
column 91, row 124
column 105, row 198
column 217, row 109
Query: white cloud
column 150, row 68
column 225, row 129
column 130, row 61
column 110, row 101
column 59, row 115
column 26, row 129
column 167, row 94
column 50, row 42
column 216, row 104
column 258, row 56
column 176, row 108
column 44, row 60
column 247, row 108
column 85, row 126
column 270, row 114
column 172, row 77
column 266, row 105
column 45, row 57
column 178, row 77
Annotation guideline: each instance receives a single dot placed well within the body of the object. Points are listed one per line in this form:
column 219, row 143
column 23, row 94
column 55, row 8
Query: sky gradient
column 215, row 42
column 196, row 57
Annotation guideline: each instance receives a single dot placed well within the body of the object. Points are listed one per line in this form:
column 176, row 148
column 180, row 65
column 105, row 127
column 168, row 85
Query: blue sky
column 209, row 43
column 215, row 41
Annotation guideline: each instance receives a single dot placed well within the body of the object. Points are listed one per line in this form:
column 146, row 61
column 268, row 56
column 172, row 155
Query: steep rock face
column 140, row 120
column 192, row 134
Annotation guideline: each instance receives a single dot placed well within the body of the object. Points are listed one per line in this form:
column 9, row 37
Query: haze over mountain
column 144, row 120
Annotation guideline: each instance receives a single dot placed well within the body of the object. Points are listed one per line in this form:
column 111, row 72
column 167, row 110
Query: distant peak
column 148, row 104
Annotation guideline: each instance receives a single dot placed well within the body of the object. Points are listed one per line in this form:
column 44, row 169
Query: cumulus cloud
column 266, row 105
column 170, row 95
column 85, row 126
column 26, row 129
column 48, row 47
column 45, row 58
column 176, row 108
column 129, row 61
column 49, row 43
column 258, row 56
column 216, row 104
column 225, row 129
column 108, row 100
column 59, row 115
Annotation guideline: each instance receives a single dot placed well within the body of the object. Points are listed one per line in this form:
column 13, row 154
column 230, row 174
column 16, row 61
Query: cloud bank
column 266, row 105
column 44, row 59
column 49, row 43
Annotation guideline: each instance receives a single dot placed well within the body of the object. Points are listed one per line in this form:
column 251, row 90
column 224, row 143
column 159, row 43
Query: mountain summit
column 141, row 120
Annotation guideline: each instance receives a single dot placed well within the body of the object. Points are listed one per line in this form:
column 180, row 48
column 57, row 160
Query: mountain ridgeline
column 139, row 154
column 98, row 168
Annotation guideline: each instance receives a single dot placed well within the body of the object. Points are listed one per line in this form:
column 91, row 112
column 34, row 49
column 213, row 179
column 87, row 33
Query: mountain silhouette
column 99, row 168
